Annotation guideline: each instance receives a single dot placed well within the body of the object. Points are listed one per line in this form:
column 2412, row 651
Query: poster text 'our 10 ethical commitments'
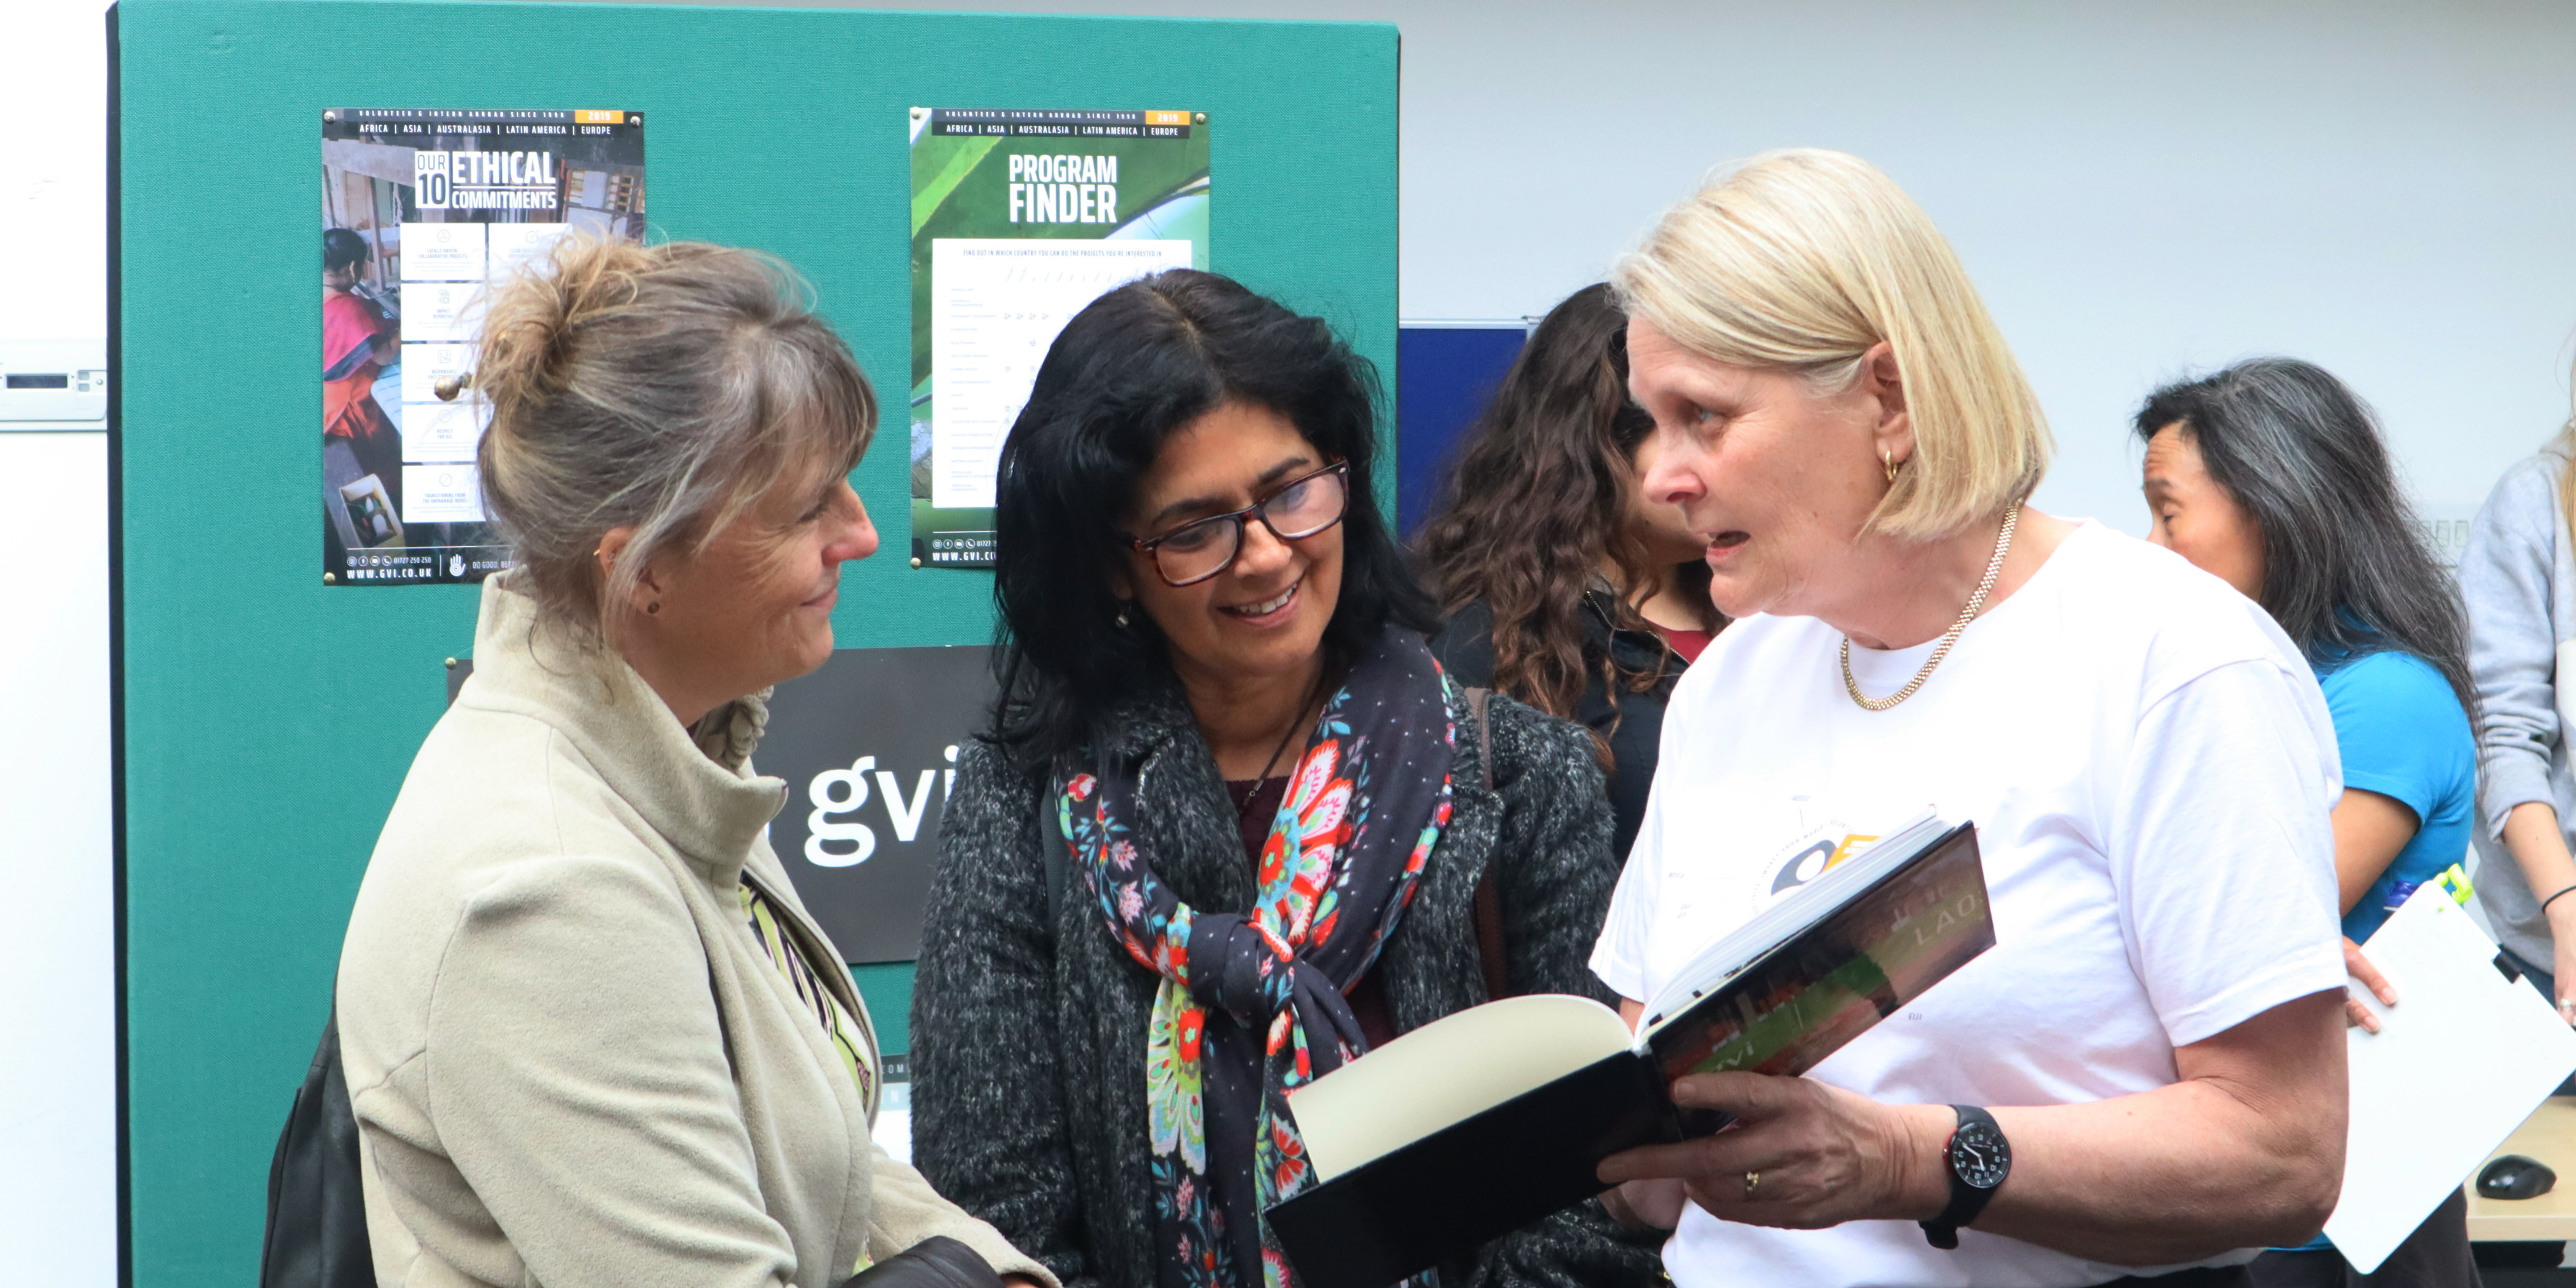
column 1019, row 219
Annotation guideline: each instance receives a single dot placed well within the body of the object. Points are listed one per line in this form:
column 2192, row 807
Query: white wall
column 57, row 1005
column 2141, row 189
column 53, row 185
column 57, row 1008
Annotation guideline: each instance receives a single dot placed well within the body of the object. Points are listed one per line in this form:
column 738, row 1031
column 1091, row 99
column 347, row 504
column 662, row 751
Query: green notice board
column 267, row 718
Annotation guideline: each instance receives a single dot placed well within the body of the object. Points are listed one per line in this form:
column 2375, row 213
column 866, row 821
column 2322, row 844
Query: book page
column 1448, row 1071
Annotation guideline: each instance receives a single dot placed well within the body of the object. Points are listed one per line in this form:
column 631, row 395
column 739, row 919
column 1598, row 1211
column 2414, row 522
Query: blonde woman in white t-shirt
column 2145, row 1076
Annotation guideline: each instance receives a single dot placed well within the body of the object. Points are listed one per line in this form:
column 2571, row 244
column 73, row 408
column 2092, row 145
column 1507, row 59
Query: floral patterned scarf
column 1252, row 1006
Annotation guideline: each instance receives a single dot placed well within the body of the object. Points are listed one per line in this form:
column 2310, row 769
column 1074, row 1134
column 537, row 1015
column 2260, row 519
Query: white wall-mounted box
column 53, row 384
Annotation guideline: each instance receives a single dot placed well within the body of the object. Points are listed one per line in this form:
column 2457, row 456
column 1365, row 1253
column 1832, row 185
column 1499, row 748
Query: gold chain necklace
column 1994, row 566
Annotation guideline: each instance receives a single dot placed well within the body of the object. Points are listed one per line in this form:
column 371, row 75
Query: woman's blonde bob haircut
column 1801, row 261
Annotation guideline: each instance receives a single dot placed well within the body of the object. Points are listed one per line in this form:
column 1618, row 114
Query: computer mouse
column 2515, row 1177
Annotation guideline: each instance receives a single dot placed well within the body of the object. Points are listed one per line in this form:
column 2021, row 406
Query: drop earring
column 1122, row 614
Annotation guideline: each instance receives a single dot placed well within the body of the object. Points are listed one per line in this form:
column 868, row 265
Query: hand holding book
column 1798, row 1154
column 1481, row 1122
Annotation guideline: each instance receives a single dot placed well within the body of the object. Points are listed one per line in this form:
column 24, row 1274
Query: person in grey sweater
column 2515, row 576
column 1233, row 826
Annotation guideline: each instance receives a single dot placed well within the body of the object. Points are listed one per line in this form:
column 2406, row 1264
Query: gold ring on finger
column 1752, row 1181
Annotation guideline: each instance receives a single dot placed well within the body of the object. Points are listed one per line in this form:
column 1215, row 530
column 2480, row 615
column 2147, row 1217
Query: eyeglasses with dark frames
column 1298, row 509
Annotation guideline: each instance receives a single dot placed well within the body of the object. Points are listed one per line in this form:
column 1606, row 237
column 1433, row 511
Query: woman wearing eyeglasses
column 1229, row 826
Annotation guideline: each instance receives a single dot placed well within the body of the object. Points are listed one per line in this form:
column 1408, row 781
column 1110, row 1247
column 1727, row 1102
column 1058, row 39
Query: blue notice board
column 1444, row 374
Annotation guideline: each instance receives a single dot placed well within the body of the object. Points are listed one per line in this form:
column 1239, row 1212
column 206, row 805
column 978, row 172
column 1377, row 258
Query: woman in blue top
column 2272, row 475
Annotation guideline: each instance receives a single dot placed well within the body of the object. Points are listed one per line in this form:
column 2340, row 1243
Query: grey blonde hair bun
column 659, row 388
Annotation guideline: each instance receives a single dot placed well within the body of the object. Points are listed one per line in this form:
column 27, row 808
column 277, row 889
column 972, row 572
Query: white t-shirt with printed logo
column 2149, row 764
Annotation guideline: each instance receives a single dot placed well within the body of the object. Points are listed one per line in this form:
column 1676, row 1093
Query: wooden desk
column 2550, row 1136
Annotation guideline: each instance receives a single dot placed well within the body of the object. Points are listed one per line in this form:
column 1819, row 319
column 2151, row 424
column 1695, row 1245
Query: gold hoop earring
column 1889, row 457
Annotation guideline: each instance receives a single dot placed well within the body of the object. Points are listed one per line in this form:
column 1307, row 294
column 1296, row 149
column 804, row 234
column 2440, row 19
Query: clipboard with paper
column 2465, row 1055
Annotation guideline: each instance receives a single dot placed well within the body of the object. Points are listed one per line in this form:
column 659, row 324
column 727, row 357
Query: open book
column 1484, row 1121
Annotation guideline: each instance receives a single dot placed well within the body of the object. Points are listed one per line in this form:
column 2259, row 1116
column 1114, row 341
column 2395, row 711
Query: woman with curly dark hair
column 1566, row 587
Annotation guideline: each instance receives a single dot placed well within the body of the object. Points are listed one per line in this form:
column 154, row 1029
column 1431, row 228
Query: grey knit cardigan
column 1028, row 1023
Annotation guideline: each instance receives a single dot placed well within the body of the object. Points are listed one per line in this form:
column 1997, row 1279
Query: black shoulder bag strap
column 1489, row 894
column 1052, row 850
column 317, row 1206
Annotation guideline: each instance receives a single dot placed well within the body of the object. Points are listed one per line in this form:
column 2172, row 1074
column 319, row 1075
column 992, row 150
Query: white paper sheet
column 443, row 433
column 442, row 312
column 441, row 494
column 996, row 305
column 424, row 365
column 514, row 245
column 2458, row 1063
column 893, row 1128
column 442, row 252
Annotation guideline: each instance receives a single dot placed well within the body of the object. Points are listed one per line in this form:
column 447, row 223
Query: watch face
column 1979, row 1155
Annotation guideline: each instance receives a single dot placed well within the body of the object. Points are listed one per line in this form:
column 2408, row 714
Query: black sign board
column 868, row 746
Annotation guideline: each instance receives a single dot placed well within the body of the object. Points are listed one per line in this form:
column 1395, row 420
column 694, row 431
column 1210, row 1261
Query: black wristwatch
column 1980, row 1159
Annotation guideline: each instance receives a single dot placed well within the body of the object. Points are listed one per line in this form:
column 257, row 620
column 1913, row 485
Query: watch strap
column 1966, row 1200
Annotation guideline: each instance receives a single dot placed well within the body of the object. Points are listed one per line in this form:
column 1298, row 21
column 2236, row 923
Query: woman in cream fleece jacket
column 590, row 1034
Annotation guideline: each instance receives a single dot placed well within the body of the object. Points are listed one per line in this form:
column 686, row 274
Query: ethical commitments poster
column 1019, row 219
column 423, row 214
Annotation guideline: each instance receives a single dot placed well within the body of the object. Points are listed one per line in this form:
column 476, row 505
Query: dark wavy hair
column 1137, row 364
column 1540, row 497
column 2346, row 567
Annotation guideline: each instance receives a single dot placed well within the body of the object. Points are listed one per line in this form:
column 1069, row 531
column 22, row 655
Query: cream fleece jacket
column 571, row 1063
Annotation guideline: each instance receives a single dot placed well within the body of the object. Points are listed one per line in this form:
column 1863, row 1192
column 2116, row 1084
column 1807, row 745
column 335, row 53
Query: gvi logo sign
column 847, row 791
column 859, row 833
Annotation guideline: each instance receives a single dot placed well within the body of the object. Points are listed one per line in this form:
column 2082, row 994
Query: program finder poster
column 1019, row 219
column 423, row 213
